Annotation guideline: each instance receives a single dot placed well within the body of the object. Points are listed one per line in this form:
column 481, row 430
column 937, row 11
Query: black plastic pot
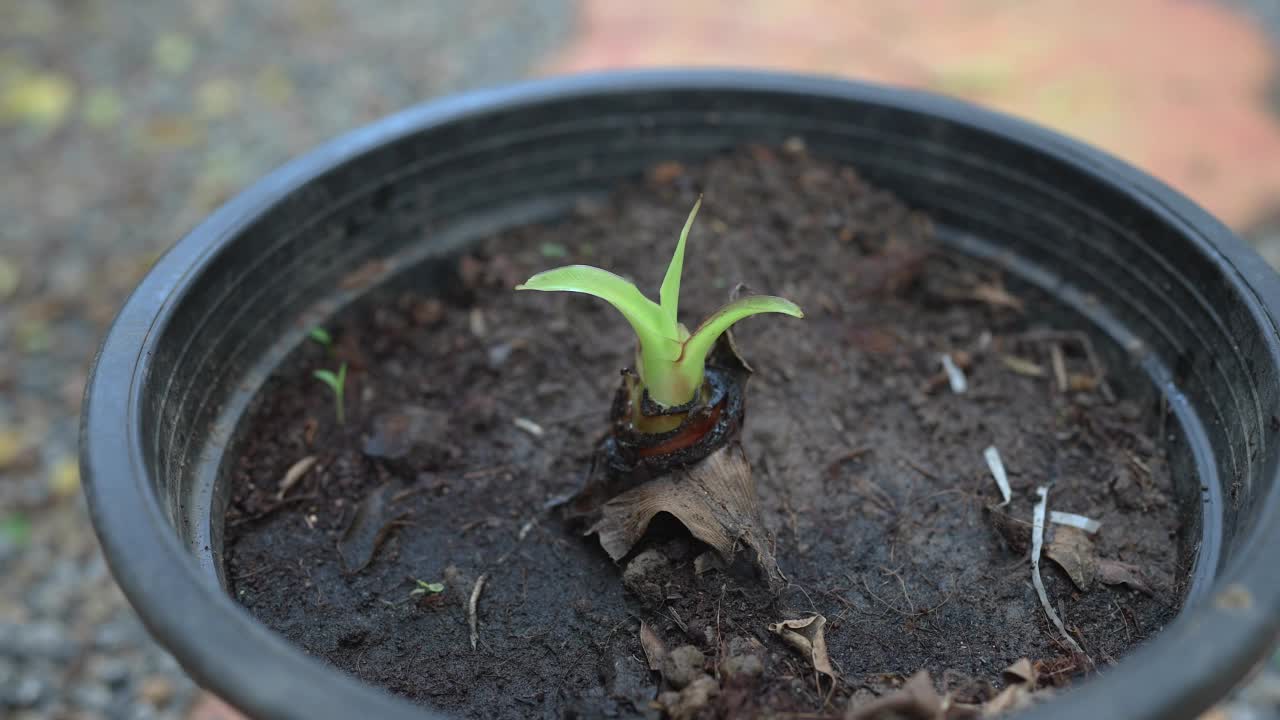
column 1194, row 308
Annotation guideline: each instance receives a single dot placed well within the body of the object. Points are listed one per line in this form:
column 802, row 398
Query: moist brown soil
column 869, row 468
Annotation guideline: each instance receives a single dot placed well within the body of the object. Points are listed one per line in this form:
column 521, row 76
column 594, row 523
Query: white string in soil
column 1037, row 542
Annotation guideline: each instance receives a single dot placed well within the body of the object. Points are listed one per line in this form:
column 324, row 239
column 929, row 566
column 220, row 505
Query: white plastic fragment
column 955, row 376
column 1037, row 542
column 997, row 471
column 1086, row 524
column 529, row 426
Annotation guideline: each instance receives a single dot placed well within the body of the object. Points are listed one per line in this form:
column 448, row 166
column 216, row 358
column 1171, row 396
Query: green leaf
column 669, row 295
column 644, row 315
column 553, row 250
column 434, row 587
column 329, row 378
column 700, row 342
column 336, row 383
column 321, row 336
column 16, row 529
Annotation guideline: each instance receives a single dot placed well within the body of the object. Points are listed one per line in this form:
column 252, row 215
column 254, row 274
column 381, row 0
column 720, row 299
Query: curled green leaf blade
column 644, row 315
column 321, row 336
column 700, row 342
column 431, row 587
column 328, row 378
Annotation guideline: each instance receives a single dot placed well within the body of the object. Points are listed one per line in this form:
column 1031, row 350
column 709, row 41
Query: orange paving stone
column 1176, row 87
column 208, row 707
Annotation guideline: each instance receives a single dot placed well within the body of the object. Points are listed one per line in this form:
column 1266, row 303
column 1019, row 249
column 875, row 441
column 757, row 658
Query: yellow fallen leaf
column 64, row 479
column 36, row 97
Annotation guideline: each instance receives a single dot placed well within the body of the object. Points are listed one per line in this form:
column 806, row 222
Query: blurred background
column 123, row 123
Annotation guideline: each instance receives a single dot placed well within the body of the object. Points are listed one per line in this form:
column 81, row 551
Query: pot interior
column 1168, row 320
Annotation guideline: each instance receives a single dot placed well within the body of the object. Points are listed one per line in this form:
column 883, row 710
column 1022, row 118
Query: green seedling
column 426, row 587
column 16, row 530
column 671, row 360
column 322, row 336
column 337, row 383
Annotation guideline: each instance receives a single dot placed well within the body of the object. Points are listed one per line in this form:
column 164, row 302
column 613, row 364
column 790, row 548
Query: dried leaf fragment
column 654, row 649
column 807, row 636
column 1073, row 551
column 1114, row 572
column 915, row 700
column 995, row 295
column 294, row 474
column 1022, row 366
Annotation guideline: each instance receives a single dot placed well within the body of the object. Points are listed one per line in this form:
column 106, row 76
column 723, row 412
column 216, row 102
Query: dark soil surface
column 482, row 404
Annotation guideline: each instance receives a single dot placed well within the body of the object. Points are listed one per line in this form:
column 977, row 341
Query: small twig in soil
column 1059, row 366
column 485, row 472
column 252, row 573
column 903, row 584
column 472, row 618
column 1086, row 344
column 920, row 469
column 850, row 456
column 272, row 510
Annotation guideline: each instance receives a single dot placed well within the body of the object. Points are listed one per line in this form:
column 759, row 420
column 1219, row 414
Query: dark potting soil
column 470, row 407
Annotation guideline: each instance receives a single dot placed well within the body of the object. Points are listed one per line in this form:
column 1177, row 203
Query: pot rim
column 1186, row 667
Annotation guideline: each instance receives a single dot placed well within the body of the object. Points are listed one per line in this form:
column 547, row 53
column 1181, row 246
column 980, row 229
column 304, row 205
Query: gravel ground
column 121, row 125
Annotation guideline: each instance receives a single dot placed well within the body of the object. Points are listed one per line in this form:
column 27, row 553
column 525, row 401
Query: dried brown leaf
column 1073, row 551
column 917, row 699
column 715, row 499
column 1114, row 572
column 654, row 649
column 807, row 636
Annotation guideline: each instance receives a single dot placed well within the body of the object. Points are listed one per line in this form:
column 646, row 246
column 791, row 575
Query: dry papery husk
column 708, row 489
column 714, row 498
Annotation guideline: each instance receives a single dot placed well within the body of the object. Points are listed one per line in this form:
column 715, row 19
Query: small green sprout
column 426, row 587
column 321, row 336
column 16, row 530
column 671, row 359
column 336, row 382
column 553, row 250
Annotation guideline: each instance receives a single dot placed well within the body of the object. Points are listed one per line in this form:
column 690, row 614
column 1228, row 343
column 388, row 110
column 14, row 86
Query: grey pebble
column 41, row 639
column 27, row 691
column 112, row 672
column 91, row 696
